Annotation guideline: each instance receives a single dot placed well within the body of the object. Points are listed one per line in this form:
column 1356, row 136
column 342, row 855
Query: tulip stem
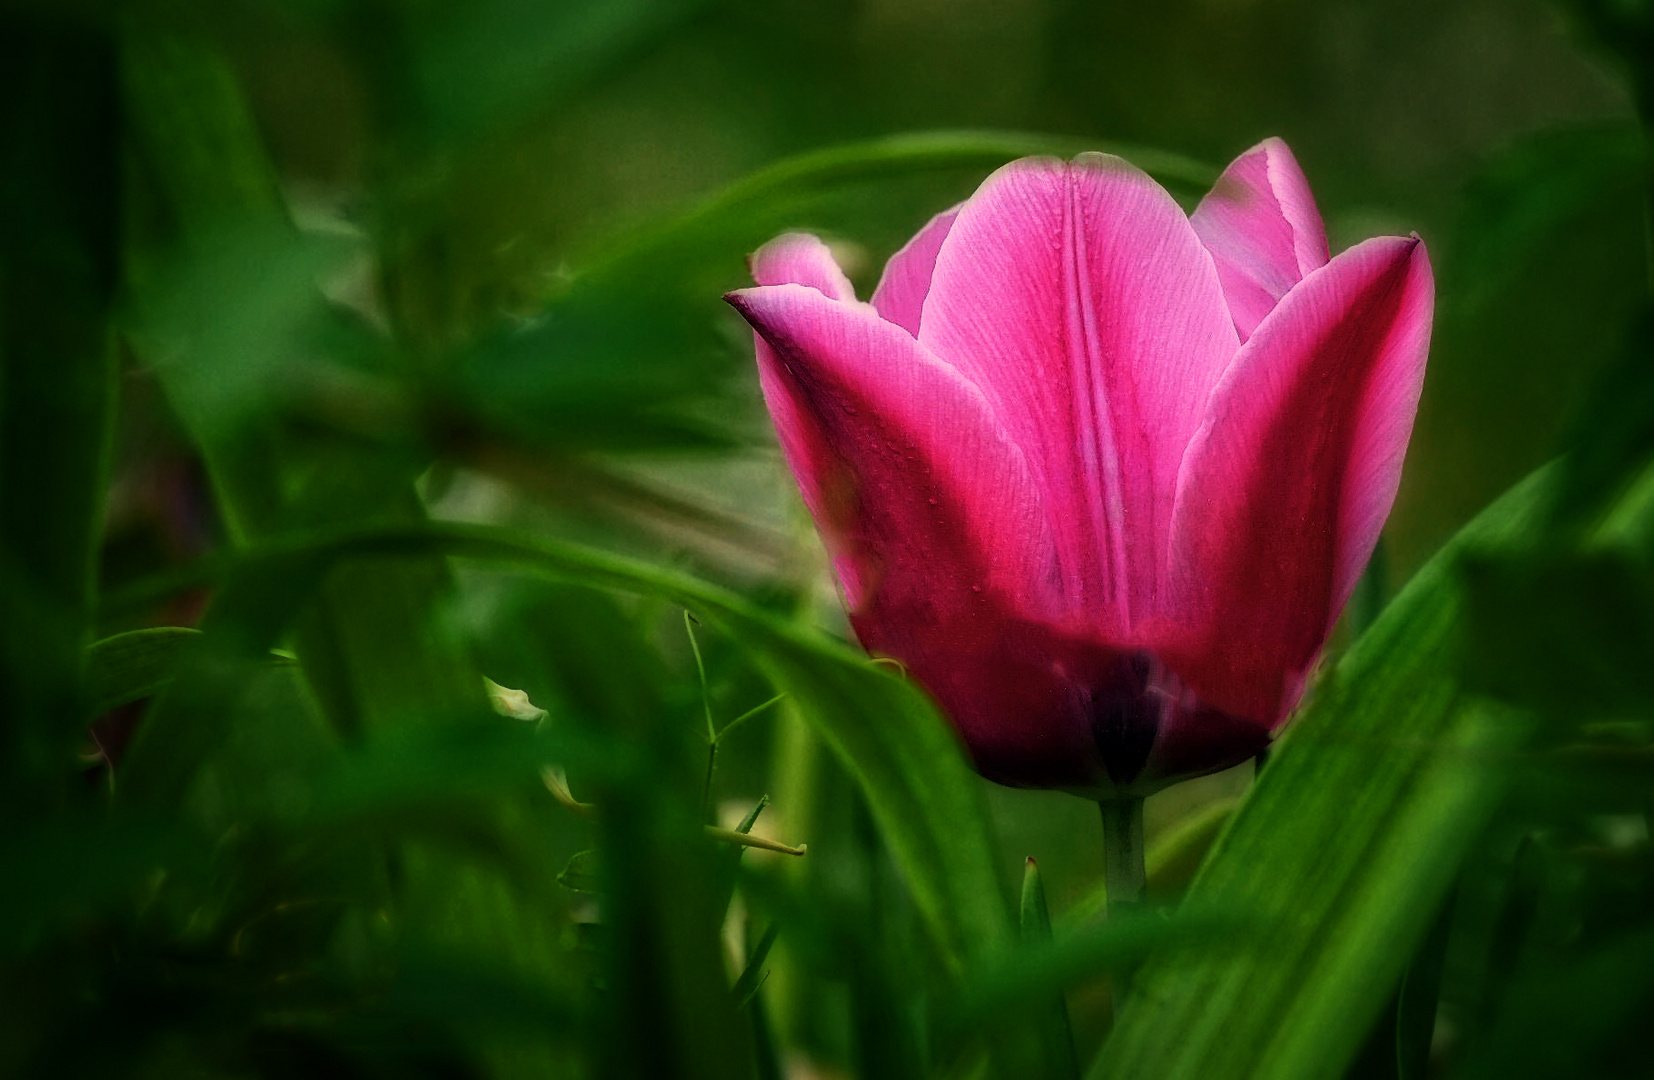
column 1123, row 869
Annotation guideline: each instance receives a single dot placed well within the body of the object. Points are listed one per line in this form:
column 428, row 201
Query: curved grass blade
column 1345, row 846
column 926, row 799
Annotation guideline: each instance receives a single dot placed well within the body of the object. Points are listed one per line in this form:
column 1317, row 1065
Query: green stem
column 1123, row 867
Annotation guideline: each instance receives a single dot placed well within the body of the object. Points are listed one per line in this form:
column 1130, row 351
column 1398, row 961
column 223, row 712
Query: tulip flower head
column 1101, row 475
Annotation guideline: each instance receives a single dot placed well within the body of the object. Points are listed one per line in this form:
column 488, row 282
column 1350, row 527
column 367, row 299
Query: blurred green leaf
column 429, row 765
column 1528, row 198
column 1606, row 997
column 434, row 986
column 475, row 64
column 1004, row 987
column 78, row 868
column 1419, row 1000
column 1053, row 1013
column 910, row 765
column 59, row 259
column 1344, row 846
column 234, row 326
column 195, row 134
column 133, row 665
column 1570, row 634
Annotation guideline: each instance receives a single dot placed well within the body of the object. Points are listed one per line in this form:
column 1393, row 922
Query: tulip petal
column 1260, row 223
column 801, row 259
column 900, row 296
column 1287, row 484
column 1078, row 297
column 921, row 498
column 933, row 525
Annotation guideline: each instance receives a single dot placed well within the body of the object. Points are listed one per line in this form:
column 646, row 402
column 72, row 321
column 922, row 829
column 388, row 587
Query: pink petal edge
column 801, row 259
column 900, row 295
column 1262, row 227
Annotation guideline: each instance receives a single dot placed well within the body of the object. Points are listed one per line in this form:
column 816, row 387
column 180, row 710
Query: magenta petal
column 933, row 524
column 801, row 259
column 1261, row 225
column 900, row 296
column 1287, row 484
column 911, row 480
column 1078, row 297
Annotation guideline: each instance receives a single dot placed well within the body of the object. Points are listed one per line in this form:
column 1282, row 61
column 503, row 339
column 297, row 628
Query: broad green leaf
column 1345, row 848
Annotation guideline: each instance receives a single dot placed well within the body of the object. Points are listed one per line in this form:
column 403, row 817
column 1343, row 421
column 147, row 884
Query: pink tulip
column 1101, row 475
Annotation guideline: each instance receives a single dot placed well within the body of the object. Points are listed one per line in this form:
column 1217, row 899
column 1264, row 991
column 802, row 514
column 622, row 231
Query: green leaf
column 476, row 64
column 133, row 665
column 1345, row 847
column 927, row 801
column 1003, row 986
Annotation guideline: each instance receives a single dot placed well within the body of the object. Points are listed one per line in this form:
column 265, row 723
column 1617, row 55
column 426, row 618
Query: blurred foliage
column 355, row 353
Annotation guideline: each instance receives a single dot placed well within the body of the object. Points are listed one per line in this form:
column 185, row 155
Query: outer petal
column 934, row 527
column 1261, row 225
column 900, row 296
column 910, row 478
column 801, row 259
column 1079, row 298
column 1288, row 483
